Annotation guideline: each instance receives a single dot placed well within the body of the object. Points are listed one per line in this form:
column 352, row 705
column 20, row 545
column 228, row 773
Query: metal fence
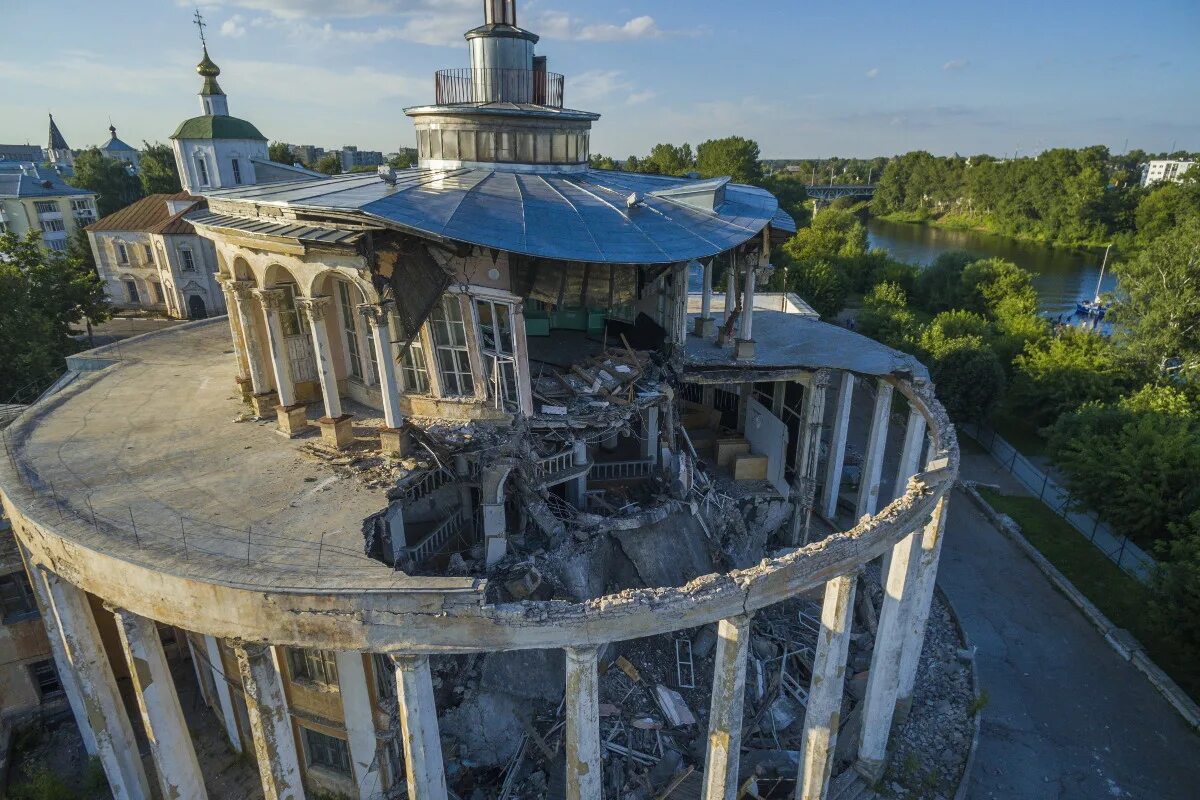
column 1119, row 549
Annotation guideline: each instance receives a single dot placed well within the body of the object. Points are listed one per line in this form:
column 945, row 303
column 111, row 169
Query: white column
column 272, row 301
column 577, row 488
column 868, row 489
column 706, row 296
column 824, row 711
column 650, row 443
column 389, row 386
column 235, row 331
column 314, row 310
column 419, row 724
column 212, row 650
column 66, row 675
column 584, row 768
column 360, row 722
column 730, row 288
column 910, row 456
column 921, row 597
column 495, row 532
column 522, row 350
column 270, row 723
column 808, row 453
column 837, row 446
column 170, row 742
column 725, row 715
column 879, row 706
column 746, row 329
column 115, row 743
column 243, row 302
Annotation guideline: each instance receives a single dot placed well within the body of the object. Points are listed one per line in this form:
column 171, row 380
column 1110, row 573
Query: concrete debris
column 673, row 706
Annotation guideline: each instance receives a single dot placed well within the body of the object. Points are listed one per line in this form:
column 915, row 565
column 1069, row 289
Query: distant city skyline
column 859, row 79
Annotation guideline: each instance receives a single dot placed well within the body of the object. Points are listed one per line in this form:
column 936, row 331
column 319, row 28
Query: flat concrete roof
column 795, row 341
column 149, row 446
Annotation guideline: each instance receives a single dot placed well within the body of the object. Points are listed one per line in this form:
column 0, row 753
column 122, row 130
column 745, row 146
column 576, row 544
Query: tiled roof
column 147, row 215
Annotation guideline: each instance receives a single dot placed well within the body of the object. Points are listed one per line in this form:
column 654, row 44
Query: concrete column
column 272, row 301
column 66, row 675
column 212, row 651
column 115, row 743
column 270, row 723
column 171, row 745
column 577, row 489
column 868, row 489
column 244, row 308
column 235, row 331
column 725, row 717
column 808, row 454
column 879, row 706
column 730, row 299
column 389, row 385
column 921, row 597
column 746, row 328
column 314, row 309
column 584, row 769
column 837, row 446
column 419, row 724
column 524, row 383
column 910, row 456
column 360, row 722
column 495, row 532
column 704, row 324
column 650, row 443
column 823, row 715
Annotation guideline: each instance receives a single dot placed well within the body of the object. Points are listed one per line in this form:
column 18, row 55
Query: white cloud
column 636, row 28
column 234, row 27
column 873, row 73
column 560, row 25
column 956, row 64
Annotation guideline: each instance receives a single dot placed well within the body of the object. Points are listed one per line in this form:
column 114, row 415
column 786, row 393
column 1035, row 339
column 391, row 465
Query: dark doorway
column 196, row 309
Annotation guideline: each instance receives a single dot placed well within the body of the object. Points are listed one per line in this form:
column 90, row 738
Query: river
column 1062, row 274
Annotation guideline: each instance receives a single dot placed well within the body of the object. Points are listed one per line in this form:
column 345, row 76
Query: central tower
column 506, row 110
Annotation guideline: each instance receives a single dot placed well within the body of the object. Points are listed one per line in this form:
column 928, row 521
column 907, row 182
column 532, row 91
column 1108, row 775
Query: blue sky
column 850, row 78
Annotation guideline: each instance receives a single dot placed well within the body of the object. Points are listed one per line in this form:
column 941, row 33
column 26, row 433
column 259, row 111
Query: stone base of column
column 263, row 404
column 293, row 420
column 245, row 388
column 394, row 441
column 705, row 327
column 871, row 770
column 337, row 431
column 722, row 337
column 743, row 349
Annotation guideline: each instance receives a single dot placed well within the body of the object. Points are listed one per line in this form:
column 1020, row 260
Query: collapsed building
column 583, row 527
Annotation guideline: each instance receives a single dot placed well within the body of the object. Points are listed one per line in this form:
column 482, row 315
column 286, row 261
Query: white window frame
column 452, row 357
column 202, row 176
column 497, row 357
column 46, row 206
column 53, row 226
column 349, row 326
column 122, row 252
column 187, row 259
column 414, row 367
column 58, row 245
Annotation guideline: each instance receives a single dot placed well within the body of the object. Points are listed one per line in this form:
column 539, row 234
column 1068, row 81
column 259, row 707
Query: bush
column 989, row 282
column 1057, row 375
column 1175, row 598
column 42, row 785
column 939, row 286
column 821, row 284
column 968, row 378
column 952, row 325
column 886, row 317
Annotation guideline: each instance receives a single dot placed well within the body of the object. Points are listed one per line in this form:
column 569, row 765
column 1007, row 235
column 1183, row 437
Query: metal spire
column 198, row 21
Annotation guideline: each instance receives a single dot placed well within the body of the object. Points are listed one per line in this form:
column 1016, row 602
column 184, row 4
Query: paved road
column 1066, row 718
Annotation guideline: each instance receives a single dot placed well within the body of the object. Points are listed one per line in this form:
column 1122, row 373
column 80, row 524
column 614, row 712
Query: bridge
column 827, row 192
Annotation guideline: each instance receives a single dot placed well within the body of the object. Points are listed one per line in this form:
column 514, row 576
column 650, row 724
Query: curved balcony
column 472, row 86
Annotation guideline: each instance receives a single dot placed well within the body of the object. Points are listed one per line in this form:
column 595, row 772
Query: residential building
column 496, row 462
column 216, row 150
column 1160, row 170
column 114, row 148
column 36, row 198
column 353, row 157
column 150, row 258
column 307, row 153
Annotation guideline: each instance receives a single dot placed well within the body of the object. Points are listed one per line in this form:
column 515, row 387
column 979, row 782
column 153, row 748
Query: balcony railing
column 472, row 86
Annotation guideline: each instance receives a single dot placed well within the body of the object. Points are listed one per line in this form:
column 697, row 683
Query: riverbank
column 980, row 224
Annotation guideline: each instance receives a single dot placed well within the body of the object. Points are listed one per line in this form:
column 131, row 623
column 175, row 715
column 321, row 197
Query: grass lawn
column 1121, row 598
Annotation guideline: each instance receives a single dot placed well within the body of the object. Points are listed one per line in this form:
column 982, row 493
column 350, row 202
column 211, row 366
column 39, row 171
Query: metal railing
column 435, row 540
column 470, row 86
column 1118, row 548
column 616, row 470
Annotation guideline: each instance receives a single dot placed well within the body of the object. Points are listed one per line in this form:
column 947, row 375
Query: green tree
column 402, row 160
column 949, row 326
column 1164, row 208
column 939, row 285
column 330, row 164
column 1158, row 302
column 885, row 316
column 602, row 162
column 669, row 159
column 833, row 235
column 280, row 153
column 988, row 282
column 732, row 156
column 819, row 283
column 1175, row 598
column 969, row 378
column 1057, row 375
column 159, row 173
column 108, row 178
column 631, row 164
column 42, row 295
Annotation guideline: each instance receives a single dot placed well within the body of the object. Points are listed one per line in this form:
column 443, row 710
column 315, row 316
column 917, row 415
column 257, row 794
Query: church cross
column 199, row 22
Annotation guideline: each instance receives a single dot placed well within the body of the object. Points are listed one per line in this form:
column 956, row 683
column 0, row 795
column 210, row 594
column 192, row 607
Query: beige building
column 37, row 199
column 151, row 258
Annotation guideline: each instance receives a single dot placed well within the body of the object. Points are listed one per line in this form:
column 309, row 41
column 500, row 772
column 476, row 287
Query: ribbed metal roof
column 287, row 230
column 576, row 216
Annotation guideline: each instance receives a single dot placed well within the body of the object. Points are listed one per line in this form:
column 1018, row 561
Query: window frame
column 17, row 603
column 202, row 174
column 237, row 171
column 452, row 358
column 39, row 680
column 414, row 368
column 122, row 252
column 312, row 666
column 47, row 207
column 132, row 291
column 289, row 315
column 328, row 753
column 349, row 326
column 187, row 259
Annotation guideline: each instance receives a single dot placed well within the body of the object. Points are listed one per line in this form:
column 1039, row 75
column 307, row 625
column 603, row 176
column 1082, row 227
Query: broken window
column 385, row 676
column 288, row 317
column 497, row 345
column 45, row 678
column 413, row 373
column 313, row 666
column 450, row 342
column 326, row 751
column 16, row 597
